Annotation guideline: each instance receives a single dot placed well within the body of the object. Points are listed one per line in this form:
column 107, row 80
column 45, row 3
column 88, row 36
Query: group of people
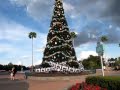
column 13, row 73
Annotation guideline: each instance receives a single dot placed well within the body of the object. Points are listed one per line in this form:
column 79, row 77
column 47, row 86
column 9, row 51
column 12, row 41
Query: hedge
column 109, row 82
column 85, row 86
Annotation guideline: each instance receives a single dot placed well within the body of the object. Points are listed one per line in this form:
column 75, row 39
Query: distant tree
column 1, row 67
column 118, row 58
column 92, row 62
column 45, row 65
column 10, row 64
column 117, row 62
column 73, row 35
column 31, row 36
column 112, row 62
column 73, row 64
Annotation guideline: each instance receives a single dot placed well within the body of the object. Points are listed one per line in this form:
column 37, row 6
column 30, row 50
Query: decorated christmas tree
column 59, row 47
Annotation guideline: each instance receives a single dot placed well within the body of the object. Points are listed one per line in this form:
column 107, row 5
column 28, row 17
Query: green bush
column 109, row 82
column 73, row 64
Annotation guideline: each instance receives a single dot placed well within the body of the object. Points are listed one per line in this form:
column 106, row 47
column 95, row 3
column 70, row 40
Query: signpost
column 100, row 51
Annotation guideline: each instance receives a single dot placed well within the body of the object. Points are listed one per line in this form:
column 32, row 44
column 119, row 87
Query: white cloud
column 68, row 7
column 10, row 30
column 21, row 2
column 86, row 54
column 19, row 63
column 38, row 62
column 110, row 26
column 40, row 49
column 92, row 9
column 5, row 48
column 83, row 47
column 39, row 9
column 15, row 45
column 25, row 56
column 84, row 50
column 35, row 9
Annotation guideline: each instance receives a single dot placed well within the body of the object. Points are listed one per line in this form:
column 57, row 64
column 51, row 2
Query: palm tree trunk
column 32, row 54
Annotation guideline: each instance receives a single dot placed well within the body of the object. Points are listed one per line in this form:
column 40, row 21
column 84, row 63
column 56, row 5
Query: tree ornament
column 59, row 6
column 55, row 43
column 60, row 29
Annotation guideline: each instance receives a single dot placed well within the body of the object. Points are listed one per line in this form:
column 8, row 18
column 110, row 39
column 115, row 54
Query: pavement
column 7, row 84
column 18, row 84
column 30, row 84
column 22, row 84
column 52, row 85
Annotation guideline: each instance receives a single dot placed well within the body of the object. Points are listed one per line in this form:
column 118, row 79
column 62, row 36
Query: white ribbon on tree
column 60, row 68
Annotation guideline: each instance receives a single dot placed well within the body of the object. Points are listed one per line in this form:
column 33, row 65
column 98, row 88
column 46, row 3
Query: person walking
column 13, row 73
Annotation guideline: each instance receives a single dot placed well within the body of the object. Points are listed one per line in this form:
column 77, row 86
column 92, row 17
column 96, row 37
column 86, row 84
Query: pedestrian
column 13, row 73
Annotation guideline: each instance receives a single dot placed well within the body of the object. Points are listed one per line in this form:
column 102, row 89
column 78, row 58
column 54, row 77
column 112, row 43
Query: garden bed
column 85, row 86
column 54, row 74
column 109, row 82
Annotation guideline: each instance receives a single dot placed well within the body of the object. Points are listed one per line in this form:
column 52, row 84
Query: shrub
column 109, row 82
column 85, row 86
column 73, row 64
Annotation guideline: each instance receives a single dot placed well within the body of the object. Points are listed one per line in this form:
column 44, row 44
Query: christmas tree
column 59, row 47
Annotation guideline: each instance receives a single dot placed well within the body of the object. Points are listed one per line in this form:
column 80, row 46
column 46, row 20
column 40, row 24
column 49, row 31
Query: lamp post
column 100, row 51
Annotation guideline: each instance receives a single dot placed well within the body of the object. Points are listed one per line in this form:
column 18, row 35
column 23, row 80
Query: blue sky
column 89, row 18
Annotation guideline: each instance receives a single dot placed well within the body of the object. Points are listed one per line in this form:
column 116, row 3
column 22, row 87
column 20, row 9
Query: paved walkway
column 7, row 84
column 21, row 84
column 53, row 85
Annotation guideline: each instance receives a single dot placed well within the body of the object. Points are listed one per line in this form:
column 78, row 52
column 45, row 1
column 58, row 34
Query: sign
column 99, row 49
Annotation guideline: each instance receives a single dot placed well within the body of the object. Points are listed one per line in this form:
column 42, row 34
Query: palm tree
column 31, row 36
column 73, row 35
column 104, row 38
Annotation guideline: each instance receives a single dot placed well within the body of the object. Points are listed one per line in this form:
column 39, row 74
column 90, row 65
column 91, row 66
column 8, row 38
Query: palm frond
column 32, row 35
column 104, row 38
column 73, row 34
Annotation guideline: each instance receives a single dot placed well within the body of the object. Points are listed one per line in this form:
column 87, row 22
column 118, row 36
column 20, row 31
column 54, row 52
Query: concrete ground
column 6, row 84
column 21, row 84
